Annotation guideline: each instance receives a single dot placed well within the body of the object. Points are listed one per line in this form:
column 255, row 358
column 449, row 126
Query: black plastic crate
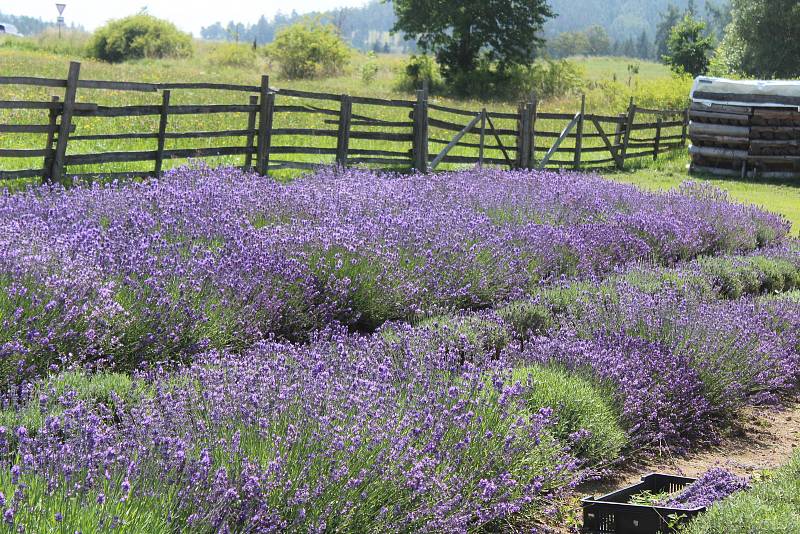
column 613, row 514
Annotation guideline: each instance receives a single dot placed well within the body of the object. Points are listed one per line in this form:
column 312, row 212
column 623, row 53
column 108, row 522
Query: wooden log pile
column 738, row 140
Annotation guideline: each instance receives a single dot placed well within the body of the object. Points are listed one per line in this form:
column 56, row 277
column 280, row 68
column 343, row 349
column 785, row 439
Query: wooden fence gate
column 290, row 129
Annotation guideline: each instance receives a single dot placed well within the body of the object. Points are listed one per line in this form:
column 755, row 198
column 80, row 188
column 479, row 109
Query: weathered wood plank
column 607, row 142
column 162, row 130
column 28, row 104
column 560, row 140
column 700, row 128
column 579, row 133
column 306, row 109
column 213, row 86
column 66, row 121
column 118, row 86
column 455, row 140
column 265, row 116
column 499, row 143
column 53, row 126
column 302, row 150
column 369, row 101
column 23, row 173
column 343, row 133
column 32, row 80
column 469, row 160
column 718, row 152
column 251, row 133
column 28, row 128
column 25, row 152
column 400, row 162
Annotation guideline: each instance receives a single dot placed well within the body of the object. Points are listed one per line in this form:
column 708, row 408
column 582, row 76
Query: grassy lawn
column 671, row 170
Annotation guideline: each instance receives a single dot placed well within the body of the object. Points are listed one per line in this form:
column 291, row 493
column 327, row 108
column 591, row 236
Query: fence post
column 628, row 126
column 579, row 134
column 343, row 136
column 522, row 114
column 534, row 104
column 657, row 143
column 267, row 104
column 66, row 121
column 420, row 148
column 483, row 137
column 251, row 126
column 685, row 128
column 51, row 134
column 162, row 131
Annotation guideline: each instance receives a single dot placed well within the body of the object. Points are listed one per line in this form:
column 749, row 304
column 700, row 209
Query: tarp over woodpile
column 754, row 93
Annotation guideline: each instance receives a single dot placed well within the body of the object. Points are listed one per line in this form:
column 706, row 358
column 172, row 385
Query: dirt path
column 764, row 439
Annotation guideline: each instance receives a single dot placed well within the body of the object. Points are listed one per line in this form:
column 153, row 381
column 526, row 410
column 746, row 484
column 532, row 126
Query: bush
column 369, row 70
column 526, row 318
column 232, row 55
column 469, row 333
column 417, row 71
column 309, row 49
column 736, row 277
column 584, row 414
column 549, row 79
column 773, row 505
column 139, row 36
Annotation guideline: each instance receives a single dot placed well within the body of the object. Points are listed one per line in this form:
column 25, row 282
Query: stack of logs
column 730, row 140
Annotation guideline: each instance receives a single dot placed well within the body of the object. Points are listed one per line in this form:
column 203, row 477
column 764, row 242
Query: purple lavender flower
column 713, row 486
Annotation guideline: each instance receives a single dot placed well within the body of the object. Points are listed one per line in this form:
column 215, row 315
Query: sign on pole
column 60, row 19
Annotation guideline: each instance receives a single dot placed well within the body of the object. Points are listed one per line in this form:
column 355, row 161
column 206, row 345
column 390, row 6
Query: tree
column 669, row 19
column 598, row 41
column 569, row 44
column 718, row 17
column 761, row 39
column 688, row 47
column 643, row 45
column 464, row 34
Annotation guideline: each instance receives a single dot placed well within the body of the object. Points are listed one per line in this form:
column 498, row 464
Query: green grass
column 603, row 68
column 578, row 405
column 772, row 506
column 781, row 197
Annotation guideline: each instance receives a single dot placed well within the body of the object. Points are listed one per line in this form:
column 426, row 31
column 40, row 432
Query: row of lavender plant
column 219, row 259
column 428, row 428
column 349, row 433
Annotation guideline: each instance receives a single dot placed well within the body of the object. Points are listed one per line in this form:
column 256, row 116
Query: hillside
column 365, row 26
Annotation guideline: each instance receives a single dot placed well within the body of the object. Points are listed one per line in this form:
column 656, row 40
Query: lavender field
column 357, row 352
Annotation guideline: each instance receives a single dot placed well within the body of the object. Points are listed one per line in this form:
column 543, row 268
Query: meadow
column 361, row 351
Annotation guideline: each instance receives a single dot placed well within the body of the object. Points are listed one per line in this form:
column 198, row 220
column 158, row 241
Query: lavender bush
column 348, row 434
column 219, row 259
column 713, row 486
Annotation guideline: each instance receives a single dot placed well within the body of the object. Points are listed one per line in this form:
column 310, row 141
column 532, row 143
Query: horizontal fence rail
column 275, row 129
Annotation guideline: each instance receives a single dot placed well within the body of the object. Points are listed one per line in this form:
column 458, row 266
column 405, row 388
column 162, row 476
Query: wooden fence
column 409, row 134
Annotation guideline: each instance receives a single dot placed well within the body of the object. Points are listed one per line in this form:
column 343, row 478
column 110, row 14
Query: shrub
column 526, row 318
column 309, row 49
column 139, row 36
column 417, row 71
column 369, row 70
column 232, row 55
column 584, row 416
column 469, row 333
column 549, row 79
